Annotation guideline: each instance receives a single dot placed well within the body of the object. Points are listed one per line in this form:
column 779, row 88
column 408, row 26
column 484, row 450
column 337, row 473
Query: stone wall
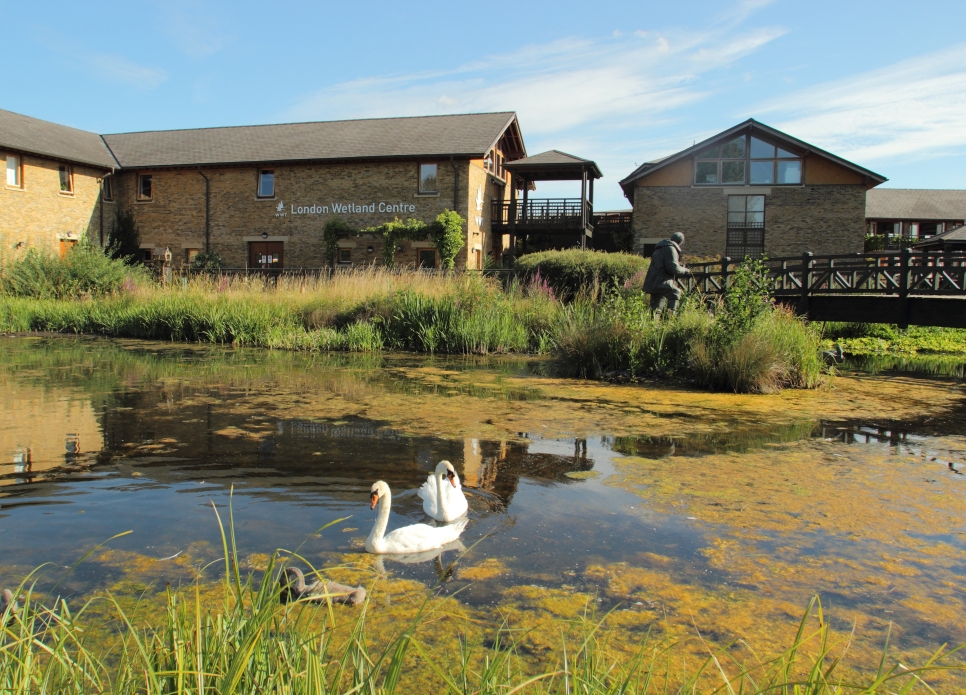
column 175, row 217
column 39, row 215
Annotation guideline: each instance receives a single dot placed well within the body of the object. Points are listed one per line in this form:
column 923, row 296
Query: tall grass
column 741, row 342
column 238, row 635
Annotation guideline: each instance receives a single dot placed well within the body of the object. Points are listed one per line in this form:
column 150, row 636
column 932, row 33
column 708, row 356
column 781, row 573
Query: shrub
column 448, row 237
column 572, row 271
column 84, row 271
column 124, row 239
column 208, row 260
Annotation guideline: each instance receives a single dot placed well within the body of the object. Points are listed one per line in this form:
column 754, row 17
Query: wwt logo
column 280, row 209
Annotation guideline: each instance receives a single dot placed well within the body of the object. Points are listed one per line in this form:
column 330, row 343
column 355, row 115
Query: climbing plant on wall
column 446, row 232
column 448, row 237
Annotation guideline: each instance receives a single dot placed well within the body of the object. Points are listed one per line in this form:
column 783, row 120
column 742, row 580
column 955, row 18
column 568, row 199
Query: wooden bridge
column 902, row 287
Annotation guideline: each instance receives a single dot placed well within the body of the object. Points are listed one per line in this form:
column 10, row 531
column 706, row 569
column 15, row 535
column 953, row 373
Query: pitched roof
column 429, row 136
column 751, row 124
column 552, row 160
column 34, row 136
column 915, row 204
column 957, row 234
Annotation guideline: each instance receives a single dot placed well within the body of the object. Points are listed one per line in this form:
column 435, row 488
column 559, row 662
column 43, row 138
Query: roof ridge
column 341, row 120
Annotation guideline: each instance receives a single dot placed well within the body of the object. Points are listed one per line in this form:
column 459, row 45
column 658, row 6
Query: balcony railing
column 541, row 215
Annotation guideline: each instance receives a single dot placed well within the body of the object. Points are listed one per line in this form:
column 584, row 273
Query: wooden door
column 269, row 255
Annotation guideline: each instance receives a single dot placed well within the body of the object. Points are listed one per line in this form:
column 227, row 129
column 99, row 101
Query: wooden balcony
column 542, row 216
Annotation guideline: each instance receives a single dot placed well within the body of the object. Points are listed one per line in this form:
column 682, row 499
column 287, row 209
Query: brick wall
column 39, row 215
column 175, row 217
column 822, row 218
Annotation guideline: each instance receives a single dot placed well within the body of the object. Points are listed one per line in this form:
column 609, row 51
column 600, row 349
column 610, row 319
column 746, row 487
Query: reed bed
column 741, row 342
column 238, row 635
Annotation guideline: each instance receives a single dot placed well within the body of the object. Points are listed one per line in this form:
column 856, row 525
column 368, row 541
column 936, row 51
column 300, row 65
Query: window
column 146, row 255
column 746, row 226
column 189, row 255
column 427, row 258
column 66, row 245
column 14, row 174
column 66, row 179
column 747, row 159
column 107, row 188
column 345, row 255
column 494, row 163
column 145, row 187
column 266, row 183
column 427, row 178
column 746, row 211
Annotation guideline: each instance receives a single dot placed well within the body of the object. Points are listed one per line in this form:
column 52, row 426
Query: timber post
column 725, row 264
column 904, row 272
column 806, row 282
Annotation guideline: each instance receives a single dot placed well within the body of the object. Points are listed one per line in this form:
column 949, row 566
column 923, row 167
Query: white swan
column 408, row 539
column 441, row 501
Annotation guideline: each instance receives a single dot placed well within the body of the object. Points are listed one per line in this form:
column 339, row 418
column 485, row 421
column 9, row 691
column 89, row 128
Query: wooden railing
column 541, row 215
column 890, row 273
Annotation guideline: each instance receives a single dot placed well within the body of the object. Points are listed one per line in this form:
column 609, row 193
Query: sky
column 882, row 84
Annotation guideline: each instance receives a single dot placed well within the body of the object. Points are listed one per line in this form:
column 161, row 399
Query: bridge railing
column 900, row 273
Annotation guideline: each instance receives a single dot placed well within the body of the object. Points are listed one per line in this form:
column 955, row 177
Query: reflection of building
column 51, row 428
column 751, row 191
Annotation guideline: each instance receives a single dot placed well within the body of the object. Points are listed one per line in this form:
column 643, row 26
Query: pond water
column 676, row 507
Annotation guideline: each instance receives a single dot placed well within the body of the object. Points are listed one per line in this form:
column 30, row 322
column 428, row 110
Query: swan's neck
column 382, row 520
column 441, row 503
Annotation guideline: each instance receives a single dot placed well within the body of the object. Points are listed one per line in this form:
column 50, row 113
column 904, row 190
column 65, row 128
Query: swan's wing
column 456, row 501
column 418, row 538
column 427, row 490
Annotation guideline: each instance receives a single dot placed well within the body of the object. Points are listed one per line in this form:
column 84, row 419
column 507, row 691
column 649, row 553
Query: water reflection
column 708, row 514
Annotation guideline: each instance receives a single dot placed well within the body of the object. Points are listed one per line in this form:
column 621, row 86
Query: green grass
column 739, row 343
column 238, row 636
column 885, row 339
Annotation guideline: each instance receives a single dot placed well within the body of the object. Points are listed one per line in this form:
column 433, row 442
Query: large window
column 14, row 174
column 145, row 187
column 746, row 226
column 66, row 179
column 427, row 178
column 747, row 159
column 266, row 183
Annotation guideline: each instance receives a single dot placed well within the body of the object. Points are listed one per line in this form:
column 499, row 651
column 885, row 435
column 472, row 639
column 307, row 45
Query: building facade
column 751, row 191
column 260, row 196
column 52, row 187
column 913, row 213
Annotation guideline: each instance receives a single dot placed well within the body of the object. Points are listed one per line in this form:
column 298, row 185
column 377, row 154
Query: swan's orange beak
column 373, row 498
column 452, row 478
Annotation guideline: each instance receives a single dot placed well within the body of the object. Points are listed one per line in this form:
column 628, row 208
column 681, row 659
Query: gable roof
column 376, row 138
column 750, row 124
column 915, row 204
column 555, row 160
column 34, row 136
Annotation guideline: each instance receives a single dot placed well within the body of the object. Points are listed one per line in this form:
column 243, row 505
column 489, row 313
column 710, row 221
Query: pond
column 677, row 508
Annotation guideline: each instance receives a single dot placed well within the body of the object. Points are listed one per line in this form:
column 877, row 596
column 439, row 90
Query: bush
column 208, row 260
column 124, row 239
column 84, row 271
column 572, row 271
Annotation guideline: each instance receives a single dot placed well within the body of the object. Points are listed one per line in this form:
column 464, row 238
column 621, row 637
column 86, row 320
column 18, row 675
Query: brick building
column 914, row 213
column 751, row 191
column 261, row 195
column 53, row 180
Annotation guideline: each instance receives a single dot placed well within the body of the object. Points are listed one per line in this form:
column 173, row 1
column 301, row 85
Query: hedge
column 569, row 271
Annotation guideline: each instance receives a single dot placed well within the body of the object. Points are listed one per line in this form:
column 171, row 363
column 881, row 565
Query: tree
column 124, row 240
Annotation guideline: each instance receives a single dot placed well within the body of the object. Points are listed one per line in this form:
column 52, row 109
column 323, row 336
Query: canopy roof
column 915, row 204
column 553, row 165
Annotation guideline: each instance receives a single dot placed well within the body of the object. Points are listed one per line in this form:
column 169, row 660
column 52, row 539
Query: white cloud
column 554, row 87
column 117, row 68
column 193, row 29
column 912, row 109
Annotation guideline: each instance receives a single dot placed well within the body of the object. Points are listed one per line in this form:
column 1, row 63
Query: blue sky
column 880, row 83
